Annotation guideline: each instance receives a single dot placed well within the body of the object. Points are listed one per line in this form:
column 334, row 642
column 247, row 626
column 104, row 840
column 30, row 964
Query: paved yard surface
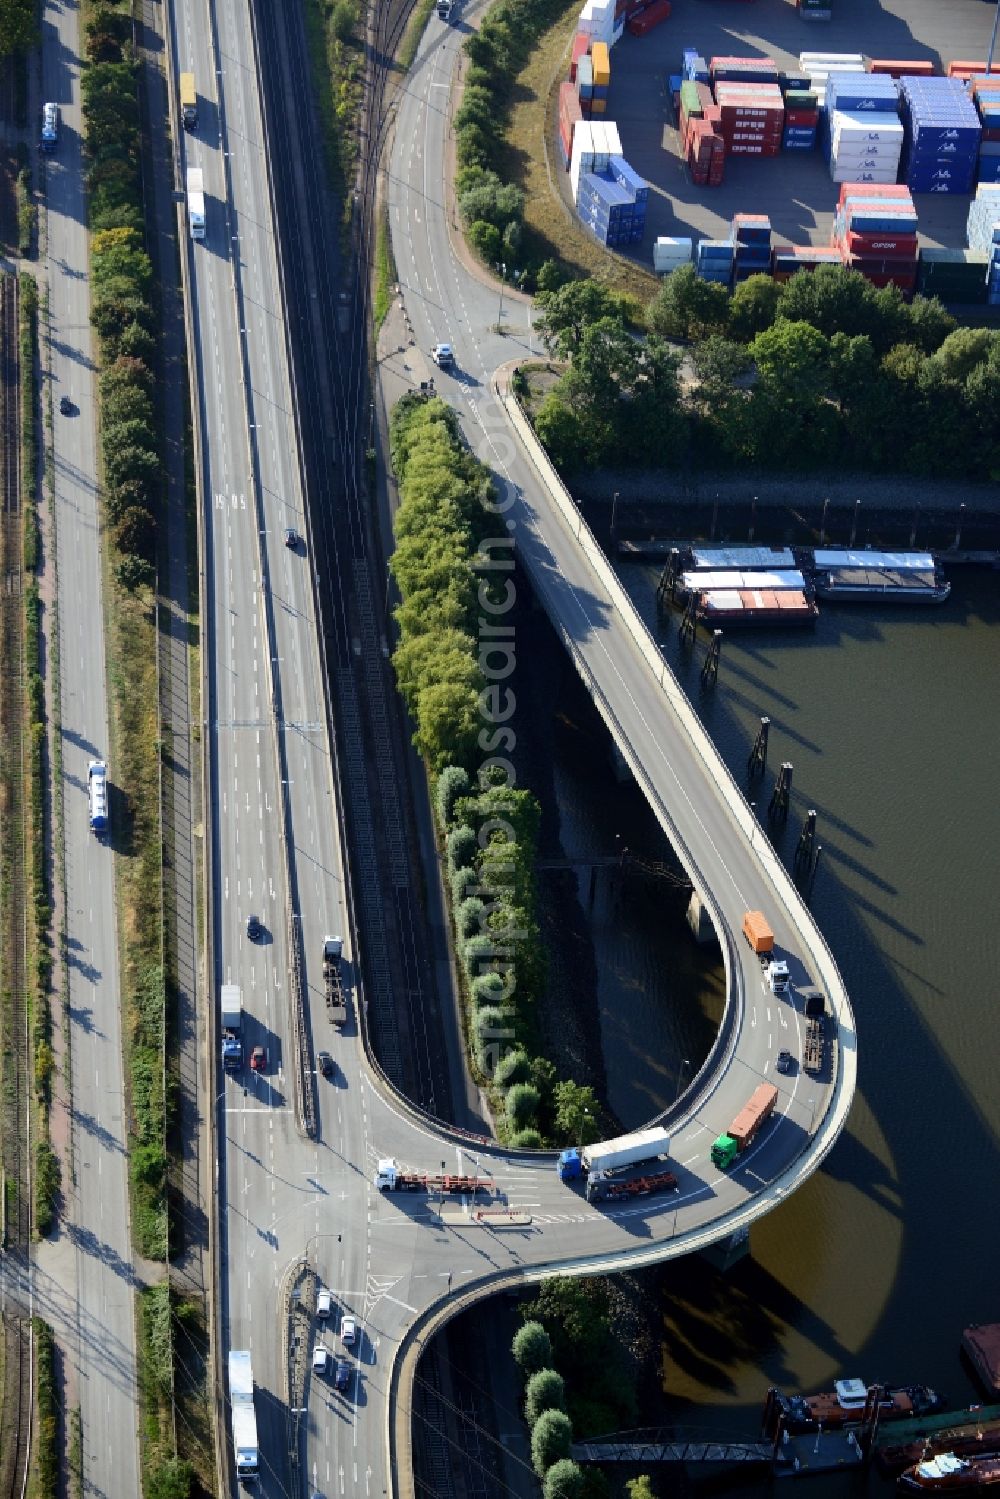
column 795, row 190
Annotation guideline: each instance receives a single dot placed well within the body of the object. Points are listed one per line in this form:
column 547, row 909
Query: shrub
column 462, row 881
column 522, row 1105
column 526, row 1139
column 462, row 846
column 452, row 783
column 469, row 917
column 564, row 1480
column 546, row 1390
column 532, row 1348
column 485, row 239
column 515, row 1067
column 550, row 1440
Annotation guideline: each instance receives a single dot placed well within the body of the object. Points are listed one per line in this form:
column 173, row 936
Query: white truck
column 609, row 1156
column 196, row 202
column 231, row 1003
column 244, row 1416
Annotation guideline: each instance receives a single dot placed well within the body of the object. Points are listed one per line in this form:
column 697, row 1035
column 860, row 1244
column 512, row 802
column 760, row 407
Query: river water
column 891, row 718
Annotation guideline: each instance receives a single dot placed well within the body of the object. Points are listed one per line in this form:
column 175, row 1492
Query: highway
column 276, row 844
column 83, row 1277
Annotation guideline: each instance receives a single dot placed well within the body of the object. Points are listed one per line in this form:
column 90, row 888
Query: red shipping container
column 801, row 116
column 581, row 47
column 895, row 69
column 960, row 69
column 566, row 139
column 569, row 104
column 874, row 190
column 880, row 244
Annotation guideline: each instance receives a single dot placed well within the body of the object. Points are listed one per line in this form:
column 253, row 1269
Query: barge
column 878, row 577
column 850, row 1403
column 948, row 1471
column 981, row 1346
column 734, row 597
column 966, row 1433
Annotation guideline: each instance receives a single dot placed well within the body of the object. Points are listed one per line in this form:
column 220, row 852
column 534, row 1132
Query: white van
column 50, row 127
column 324, row 1302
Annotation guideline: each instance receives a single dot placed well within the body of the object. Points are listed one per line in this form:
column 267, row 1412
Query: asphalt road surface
column 84, row 1282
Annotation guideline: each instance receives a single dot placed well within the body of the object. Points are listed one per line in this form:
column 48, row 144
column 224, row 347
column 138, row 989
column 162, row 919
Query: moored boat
column 850, row 1401
column 947, row 1471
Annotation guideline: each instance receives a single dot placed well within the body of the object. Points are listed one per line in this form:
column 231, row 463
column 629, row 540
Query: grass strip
column 385, row 269
column 164, row 1475
column 335, row 33
column 415, row 26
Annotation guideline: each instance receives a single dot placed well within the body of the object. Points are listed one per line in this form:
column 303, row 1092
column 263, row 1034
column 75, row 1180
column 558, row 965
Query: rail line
column 329, row 358
column 15, row 1144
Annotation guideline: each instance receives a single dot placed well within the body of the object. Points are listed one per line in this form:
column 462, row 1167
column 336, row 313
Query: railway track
column 329, row 355
column 15, row 1063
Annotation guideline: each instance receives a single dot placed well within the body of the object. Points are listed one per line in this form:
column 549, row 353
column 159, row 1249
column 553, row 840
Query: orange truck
column 745, row 1126
column 758, row 933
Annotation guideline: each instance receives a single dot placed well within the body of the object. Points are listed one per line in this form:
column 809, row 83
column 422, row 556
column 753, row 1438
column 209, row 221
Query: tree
column 452, row 783
column 573, row 308
column 18, row 28
column 135, row 533
column 461, row 845
column 172, row 1479
column 486, row 240
column 545, row 1391
column 794, row 361
column 527, row 1139
column 550, row 276
column 564, row 1480
column 110, row 106
column 575, row 1113
column 962, row 351
column 514, row 1066
column 640, row 1488
column 469, row 916
column 688, row 307
column 718, row 361
column 532, row 1348
column 550, row 1440
column 563, row 433
column 929, row 323
column 521, row 1105
column 753, row 306
column 447, row 723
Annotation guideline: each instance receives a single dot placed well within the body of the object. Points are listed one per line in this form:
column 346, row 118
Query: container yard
column 732, row 111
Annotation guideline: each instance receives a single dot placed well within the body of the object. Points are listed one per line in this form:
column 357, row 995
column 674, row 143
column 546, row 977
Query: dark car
column 341, row 1374
column 253, row 928
column 258, row 1059
column 325, row 1063
column 66, row 406
column 292, row 538
column 785, row 1062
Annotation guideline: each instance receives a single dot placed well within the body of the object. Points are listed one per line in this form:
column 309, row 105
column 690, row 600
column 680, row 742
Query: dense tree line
column 121, row 296
column 823, row 369
column 452, row 575
column 492, row 209
column 18, row 26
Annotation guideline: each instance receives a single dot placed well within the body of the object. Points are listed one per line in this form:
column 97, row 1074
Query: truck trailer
column 196, row 202
column 189, row 101
column 745, row 1126
column 244, row 1416
column 610, row 1156
column 390, row 1177
column 97, row 792
column 757, row 931
column 231, row 1004
column 609, row 1186
column 336, row 1005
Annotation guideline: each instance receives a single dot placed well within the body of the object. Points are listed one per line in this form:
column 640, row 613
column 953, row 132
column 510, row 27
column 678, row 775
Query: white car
column 349, row 1331
column 324, row 1303
column 442, row 356
column 321, row 1359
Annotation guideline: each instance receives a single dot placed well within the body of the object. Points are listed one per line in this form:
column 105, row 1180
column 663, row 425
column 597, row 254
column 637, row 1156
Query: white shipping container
column 852, row 174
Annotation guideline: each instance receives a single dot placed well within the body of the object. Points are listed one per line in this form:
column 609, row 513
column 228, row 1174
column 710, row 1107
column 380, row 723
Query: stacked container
column 751, row 236
column 585, row 85
column 965, row 70
column 701, row 134
column 570, row 114
column 612, row 202
column 815, row 10
column 875, row 230
column 984, row 235
column 863, row 133
column 581, row 46
column 985, row 94
column 582, row 155
column 801, row 119
column 817, row 67
column 601, row 77
column 894, row 69
column 943, row 132
column 787, row 259
column 597, row 20
column 714, row 260
column 694, row 66
column 669, row 254
column 743, row 70
column 753, row 117
column 643, row 20
column 956, row 276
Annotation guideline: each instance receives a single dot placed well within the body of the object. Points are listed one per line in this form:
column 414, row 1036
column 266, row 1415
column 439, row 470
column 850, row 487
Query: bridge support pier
column 728, row 1252
column 623, row 773
column 699, row 920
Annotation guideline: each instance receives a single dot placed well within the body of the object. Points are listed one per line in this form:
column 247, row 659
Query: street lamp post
column 681, row 1072
column 503, row 280
column 614, row 504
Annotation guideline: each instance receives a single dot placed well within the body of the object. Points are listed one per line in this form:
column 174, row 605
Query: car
column 253, row 928
column 349, row 1331
column 258, row 1059
column 341, row 1374
column 292, row 537
column 442, row 356
column 785, row 1061
column 66, row 406
column 325, row 1063
column 324, row 1303
column 321, row 1359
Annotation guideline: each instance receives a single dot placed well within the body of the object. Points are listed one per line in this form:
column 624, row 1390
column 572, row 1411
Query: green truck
column 745, row 1126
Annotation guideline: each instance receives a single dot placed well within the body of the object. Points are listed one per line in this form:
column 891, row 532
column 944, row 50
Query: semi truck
column 611, row 1156
column 244, row 1416
column 189, row 101
column 757, row 931
column 196, row 202
column 97, row 792
column 745, row 1126
column 231, row 999
column 390, row 1177
column 336, row 1005
column 611, row 1187
column 812, row 1052
column 444, row 8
